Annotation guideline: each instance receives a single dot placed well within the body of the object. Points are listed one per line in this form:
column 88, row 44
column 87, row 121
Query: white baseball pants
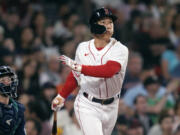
column 94, row 118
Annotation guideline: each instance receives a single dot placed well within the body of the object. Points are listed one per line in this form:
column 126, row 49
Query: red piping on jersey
column 105, row 53
column 105, row 79
column 106, row 87
column 91, row 51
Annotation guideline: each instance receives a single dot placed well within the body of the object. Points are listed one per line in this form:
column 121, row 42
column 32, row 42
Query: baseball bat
column 54, row 127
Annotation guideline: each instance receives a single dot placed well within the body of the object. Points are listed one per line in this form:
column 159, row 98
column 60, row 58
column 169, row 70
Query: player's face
column 108, row 23
column 6, row 80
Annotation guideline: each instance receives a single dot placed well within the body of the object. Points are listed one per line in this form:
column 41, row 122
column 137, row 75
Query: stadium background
column 34, row 33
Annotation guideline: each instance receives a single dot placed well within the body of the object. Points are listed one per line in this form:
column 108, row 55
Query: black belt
column 101, row 101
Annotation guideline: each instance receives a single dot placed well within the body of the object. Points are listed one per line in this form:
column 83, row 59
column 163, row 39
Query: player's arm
column 69, row 86
column 107, row 70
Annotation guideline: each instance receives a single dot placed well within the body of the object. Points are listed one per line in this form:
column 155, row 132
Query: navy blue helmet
column 98, row 15
column 11, row 89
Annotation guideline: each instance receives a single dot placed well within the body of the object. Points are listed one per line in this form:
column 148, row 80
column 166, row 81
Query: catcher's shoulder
column 20, row 105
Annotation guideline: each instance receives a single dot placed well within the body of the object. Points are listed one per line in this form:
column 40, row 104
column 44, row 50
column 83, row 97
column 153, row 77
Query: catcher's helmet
column 98, row 15
column 11, row 89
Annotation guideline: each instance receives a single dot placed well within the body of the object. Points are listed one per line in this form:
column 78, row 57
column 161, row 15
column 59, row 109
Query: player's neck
column 99, row 43
column 4, row 100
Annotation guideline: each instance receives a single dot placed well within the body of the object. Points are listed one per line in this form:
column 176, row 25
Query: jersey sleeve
column 120, row 54
column 106, row 71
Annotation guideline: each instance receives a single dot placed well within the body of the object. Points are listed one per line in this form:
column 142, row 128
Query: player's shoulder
column 21, row 109
column 84, row 44
column 20, row 106
column 119, row 45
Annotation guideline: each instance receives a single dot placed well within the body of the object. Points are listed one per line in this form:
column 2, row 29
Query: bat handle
column 54, row 128
column 55, row 115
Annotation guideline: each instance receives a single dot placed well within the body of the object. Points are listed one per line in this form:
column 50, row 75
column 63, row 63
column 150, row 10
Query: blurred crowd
column 34, row 33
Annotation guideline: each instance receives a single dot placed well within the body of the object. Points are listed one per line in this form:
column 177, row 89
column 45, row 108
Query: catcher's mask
column 98, row 15
column 9, row 89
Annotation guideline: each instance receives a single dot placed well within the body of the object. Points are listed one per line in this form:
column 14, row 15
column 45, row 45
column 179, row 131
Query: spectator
column 177, row 132
column 135, row 127
column 33, row 127
column 81, row 32
column 48, row 36
column 157, row 104
column 134, row 68
column 145, row 89
column 38, row 24
column 121, row 126
column 146, row 72
column 164, row 127
column 170, row 60
column 29, row 82
column 9, row 43
column 26, row 41
column 132, row 25
column 73, row 128
column 175, row 29
column 141, row 113
column 1, row 34
column 12, row 28
column 51, row 73
column 35, row 109
column 48, row 92
column 7, row 57
column 69, row 48
column 177, row 115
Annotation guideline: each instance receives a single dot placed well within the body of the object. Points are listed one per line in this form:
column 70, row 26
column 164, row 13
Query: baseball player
column 11, row 112
column 99, row 68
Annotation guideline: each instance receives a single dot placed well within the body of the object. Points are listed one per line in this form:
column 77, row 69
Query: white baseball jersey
column 87, row 54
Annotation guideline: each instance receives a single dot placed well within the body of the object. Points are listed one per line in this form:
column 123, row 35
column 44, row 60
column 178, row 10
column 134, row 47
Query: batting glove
column 71, row 63
column 57, row 103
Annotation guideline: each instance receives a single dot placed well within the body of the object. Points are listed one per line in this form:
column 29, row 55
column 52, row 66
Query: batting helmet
column 98, row 15
column 11, row 89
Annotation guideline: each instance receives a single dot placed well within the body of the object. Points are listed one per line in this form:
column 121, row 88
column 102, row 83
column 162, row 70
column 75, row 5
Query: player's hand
column 57, row 103
column 71, row 63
